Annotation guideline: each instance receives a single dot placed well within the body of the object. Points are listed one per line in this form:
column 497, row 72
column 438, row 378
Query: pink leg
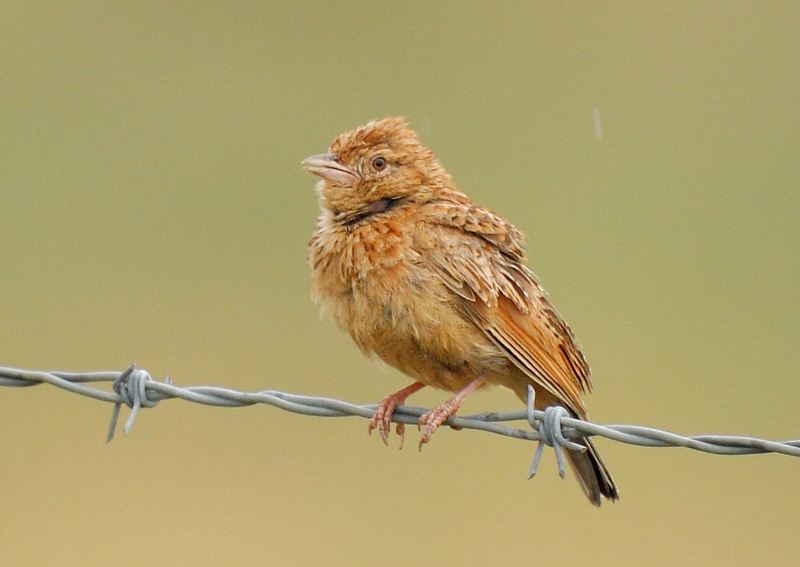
column 383, row 415
column 437, row 416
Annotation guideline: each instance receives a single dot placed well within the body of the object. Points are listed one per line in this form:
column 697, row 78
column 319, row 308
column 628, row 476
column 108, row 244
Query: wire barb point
column 131, row 386
column 551, row 434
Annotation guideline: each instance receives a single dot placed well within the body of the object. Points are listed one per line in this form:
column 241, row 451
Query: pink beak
column 329, row 167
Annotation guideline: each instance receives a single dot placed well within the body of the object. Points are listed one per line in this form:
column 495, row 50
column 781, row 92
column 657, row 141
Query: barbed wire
column 552, row 427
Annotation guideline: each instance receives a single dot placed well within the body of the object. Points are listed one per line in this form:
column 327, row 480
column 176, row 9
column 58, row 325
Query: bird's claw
column 382, row 421
column 432, row 420
column 401, row 433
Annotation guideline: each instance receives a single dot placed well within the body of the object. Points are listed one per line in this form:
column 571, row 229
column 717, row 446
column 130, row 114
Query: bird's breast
column 367, row 275
column 376, row 287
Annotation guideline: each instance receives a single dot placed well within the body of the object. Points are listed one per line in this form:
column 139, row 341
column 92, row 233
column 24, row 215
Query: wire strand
column 552, row 427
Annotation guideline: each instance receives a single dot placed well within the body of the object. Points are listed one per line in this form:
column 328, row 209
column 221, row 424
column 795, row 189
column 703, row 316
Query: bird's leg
column 438, row 415
column 383, row 415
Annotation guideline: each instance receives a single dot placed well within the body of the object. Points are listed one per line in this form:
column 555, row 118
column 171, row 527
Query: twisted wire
column 553, row 427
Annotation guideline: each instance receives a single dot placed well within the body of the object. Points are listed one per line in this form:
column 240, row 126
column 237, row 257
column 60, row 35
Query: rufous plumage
column 437, row 286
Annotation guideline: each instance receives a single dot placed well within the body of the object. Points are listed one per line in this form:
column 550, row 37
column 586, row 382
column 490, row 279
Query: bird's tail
column 593, row 476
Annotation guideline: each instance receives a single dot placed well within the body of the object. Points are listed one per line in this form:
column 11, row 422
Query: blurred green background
column 153, row 211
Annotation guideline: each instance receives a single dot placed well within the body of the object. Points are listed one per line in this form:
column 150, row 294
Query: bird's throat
column 374, row 208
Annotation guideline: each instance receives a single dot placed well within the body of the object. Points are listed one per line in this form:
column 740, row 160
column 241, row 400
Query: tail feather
column 592, row 474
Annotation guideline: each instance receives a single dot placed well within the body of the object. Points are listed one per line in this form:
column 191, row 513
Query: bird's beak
column 328, row 166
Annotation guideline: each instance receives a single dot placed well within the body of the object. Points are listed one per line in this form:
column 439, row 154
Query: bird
column 437, row 287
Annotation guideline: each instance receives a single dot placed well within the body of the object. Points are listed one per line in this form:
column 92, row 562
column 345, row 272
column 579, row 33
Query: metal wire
column 552, row 427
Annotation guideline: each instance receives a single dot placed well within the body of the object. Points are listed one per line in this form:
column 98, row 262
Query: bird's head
column 375, row 168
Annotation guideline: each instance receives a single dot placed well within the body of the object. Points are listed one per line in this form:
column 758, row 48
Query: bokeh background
column 153, row 211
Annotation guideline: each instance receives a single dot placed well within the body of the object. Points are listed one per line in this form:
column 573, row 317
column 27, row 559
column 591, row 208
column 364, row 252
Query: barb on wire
column 552, row 427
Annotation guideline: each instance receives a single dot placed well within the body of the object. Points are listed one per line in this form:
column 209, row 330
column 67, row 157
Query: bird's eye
column 379, row 163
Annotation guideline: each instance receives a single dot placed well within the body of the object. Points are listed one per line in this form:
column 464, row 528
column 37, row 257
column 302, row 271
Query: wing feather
column 501, row 296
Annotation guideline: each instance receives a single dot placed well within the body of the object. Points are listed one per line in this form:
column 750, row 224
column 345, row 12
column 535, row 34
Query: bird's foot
column 434, row 418
column 382, row 419
column 438, row 415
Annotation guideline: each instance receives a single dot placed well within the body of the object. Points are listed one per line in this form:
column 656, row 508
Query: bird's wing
column 479, row 256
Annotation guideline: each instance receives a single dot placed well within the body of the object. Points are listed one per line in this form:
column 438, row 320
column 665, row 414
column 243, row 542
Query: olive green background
column 153, row 211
